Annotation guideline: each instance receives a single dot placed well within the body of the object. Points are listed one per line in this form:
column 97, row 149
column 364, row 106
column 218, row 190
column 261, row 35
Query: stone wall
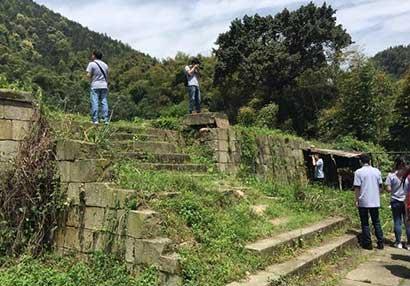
column 16, row 115
column 100, row 215
column 277, row 157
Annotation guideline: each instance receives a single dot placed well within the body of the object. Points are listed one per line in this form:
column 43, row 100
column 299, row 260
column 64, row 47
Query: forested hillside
column 40, row 48
column 278, row 71
column 394, row 60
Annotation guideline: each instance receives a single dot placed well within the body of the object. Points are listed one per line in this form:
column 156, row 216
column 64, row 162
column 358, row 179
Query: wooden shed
column 339, row 166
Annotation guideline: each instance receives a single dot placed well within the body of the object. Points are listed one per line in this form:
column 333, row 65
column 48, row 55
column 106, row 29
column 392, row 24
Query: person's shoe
column 398, row 245
column 367, row 246
column 95, row 122
column 380, row 245
column 407, row 246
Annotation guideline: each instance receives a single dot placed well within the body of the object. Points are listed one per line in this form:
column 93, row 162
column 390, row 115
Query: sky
column 161, row 28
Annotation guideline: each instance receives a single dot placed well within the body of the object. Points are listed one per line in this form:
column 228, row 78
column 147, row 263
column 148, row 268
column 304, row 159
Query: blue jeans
column 95, row 96
column 194, row 98
column 364, row 219
column 399, row 217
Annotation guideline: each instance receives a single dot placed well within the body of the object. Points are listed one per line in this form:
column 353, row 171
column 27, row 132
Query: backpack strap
column 105, row 76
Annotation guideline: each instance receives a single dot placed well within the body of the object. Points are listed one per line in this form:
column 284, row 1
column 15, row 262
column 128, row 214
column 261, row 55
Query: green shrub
column 380, row 158
column 170, row 123
column 175, row 110
column 100, row 270
column 267, row 116
column 246, row 116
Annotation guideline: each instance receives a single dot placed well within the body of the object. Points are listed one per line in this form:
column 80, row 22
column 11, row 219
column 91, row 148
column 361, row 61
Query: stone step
column 190, row 168
column 267, row 247
column 121, row 136
column 160, row 158
column 162, row 133
column 147, row 146
column 85, row 171
column 301, row 264
column 102, row 195
column 133, row 223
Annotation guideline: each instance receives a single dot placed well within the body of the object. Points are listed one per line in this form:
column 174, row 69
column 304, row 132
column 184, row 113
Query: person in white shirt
column 97, row 73
column 397, row 187
column 194, row 93
column 317, row 162
column 368, row 185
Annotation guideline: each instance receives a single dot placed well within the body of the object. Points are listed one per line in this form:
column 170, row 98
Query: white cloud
column 163, row 27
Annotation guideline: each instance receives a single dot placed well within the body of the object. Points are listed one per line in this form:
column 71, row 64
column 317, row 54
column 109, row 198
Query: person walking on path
column 398, row 188
column 97, row 73
column 368, row 185
column 317, row 162
column 194, row 93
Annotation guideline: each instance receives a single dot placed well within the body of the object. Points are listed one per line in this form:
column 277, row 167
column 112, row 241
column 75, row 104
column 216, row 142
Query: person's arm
column 89, row 72
column 357, row 183
column 192, row 70
column 313, row 161
column 388, row 184
column 357, row 195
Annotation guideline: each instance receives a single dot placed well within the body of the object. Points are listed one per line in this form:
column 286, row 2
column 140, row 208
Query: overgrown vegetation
column 69, row 271
column 212, row 226
column 30, row 197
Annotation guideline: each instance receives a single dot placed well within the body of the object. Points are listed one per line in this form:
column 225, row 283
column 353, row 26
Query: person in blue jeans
column 97, row 73
column 368, row 185
column 194, row 93
column 397, row 187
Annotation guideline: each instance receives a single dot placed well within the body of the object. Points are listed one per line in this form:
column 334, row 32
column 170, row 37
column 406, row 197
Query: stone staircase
column 305, row 258
column 101, row 215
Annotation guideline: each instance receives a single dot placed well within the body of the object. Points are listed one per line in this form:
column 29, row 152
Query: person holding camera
column 97, row 73
column 194, row 93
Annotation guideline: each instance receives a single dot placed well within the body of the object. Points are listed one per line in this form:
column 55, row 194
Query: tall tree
column 400, row 130
column 364, row 107
column 260, row 59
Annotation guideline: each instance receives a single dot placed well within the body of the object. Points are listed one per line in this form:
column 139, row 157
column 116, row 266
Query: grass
column 212, row 227
column 51, row 270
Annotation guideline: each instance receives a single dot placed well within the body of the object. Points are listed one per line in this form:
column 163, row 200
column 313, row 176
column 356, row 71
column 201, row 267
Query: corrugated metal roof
column 346, row 154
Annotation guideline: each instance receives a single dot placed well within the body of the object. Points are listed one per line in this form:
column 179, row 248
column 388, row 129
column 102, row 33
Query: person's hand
column 357, row 204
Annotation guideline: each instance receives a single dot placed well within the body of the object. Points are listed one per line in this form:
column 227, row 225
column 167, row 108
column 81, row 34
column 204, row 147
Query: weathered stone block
column 223, row 157
column 100, row 195
column 223, row 145
column 170, row 263
column 20, row 129
column 95, row 218
column 222, row 134
column 9, row 95
column 18, row 113
column 8, row 149
column 84, row 171
column 141, row 223
column 70, row 150
column 74, row 192
column 6, row 130
column 149, row 251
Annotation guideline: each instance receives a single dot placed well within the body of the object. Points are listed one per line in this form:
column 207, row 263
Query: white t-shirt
column 369, row 180
column 192, row 79
column 98, row 81
column 319, row 174
column 398, row 190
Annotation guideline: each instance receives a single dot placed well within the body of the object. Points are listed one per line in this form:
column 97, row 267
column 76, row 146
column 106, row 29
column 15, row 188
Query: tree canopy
column 261, row 60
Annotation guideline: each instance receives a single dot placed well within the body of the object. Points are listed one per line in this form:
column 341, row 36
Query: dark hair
column 399, row 162
column 195, row 61
column 365, row 159
column 98, row 55
column 404, row 175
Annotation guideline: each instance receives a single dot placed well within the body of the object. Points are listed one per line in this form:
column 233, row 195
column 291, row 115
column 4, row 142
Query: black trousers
column 364, row 219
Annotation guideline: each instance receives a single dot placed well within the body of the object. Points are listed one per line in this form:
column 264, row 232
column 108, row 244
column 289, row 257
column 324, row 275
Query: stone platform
column 390, row 267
